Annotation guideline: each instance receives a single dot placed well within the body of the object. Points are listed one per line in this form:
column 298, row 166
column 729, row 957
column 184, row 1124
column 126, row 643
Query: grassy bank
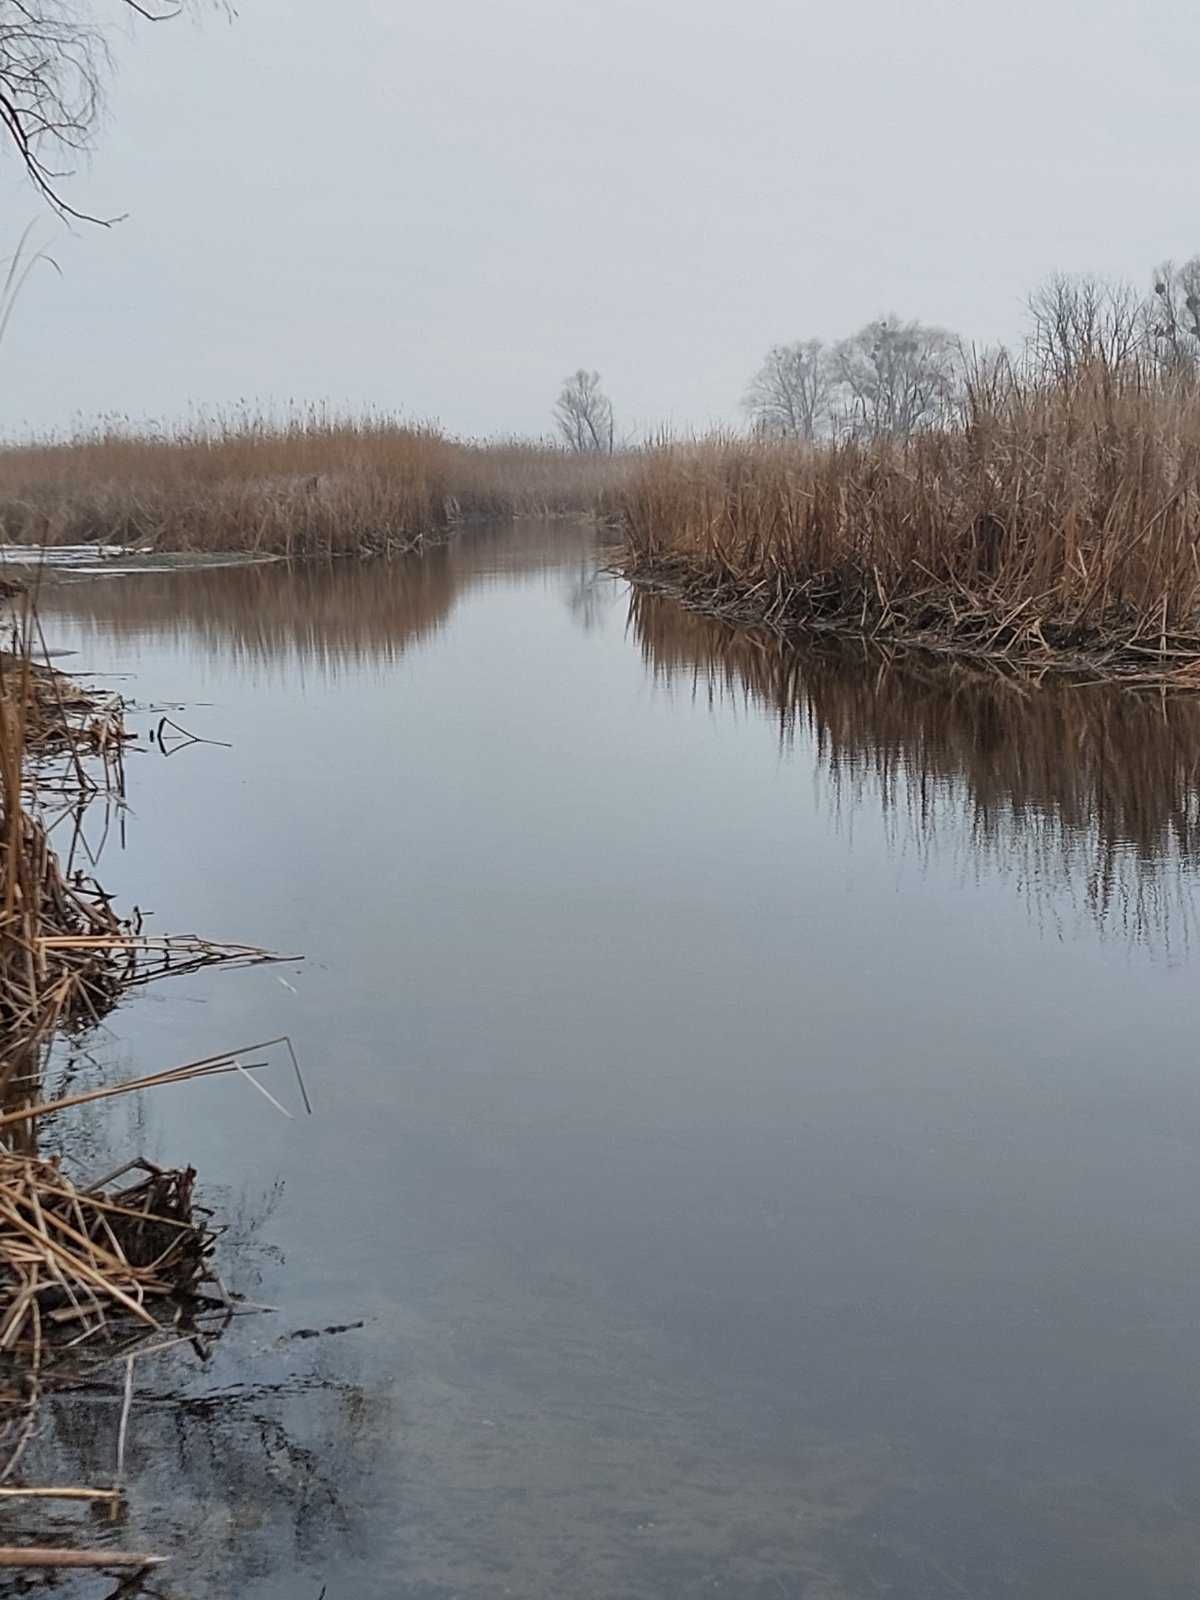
column 1049, row 524
column 312, row 484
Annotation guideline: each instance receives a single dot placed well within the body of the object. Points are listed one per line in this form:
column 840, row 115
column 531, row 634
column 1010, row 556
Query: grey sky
column 446, row 207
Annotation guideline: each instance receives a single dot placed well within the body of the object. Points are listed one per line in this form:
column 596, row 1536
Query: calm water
column 757, row 1101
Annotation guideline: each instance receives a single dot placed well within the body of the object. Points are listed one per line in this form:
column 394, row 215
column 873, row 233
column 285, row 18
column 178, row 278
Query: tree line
column 895, row 377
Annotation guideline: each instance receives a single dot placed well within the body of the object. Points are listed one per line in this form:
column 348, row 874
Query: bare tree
column 894, row 377
column 789, row 395
column 1080, row 322
column 584, row 414
column 1172, row 318
column 54, row 64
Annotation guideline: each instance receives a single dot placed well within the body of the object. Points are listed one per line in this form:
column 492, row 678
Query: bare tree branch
column 1083, row 321
column 54, row 66
column 789, row 396
column 896, row 377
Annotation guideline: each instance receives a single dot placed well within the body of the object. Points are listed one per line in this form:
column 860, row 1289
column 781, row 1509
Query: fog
column 443, row 209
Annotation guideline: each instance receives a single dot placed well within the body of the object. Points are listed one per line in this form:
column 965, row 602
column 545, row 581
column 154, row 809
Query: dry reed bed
column 44, row 985
column 312, row 485
column 88, row 1272
column 65, row 956
column 1052, row 527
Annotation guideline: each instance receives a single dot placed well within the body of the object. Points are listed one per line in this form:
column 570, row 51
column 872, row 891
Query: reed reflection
column 1087, row 796
column 332, row 616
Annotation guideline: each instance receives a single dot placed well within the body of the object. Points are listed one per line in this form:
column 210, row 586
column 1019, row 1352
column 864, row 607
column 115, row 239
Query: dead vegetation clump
column 76, row 1263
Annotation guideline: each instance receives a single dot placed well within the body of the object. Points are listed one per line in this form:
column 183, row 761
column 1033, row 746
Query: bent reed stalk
column 1051, row 525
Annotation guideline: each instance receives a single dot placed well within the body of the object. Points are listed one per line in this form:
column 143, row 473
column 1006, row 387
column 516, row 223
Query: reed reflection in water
column 1086, row 795
column 328, row 615
column 722, row 1215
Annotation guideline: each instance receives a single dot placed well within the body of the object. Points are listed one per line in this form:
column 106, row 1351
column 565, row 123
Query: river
column 756, row 1103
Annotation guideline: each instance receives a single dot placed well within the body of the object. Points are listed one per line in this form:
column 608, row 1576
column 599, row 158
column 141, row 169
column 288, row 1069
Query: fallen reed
column 311, row 483
column 1050, row 525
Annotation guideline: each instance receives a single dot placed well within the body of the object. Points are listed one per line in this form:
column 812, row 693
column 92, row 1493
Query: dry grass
column 1053, row 525
column 312, row 484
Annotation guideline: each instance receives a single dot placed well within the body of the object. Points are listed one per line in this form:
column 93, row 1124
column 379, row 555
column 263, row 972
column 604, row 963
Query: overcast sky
column 445, row 207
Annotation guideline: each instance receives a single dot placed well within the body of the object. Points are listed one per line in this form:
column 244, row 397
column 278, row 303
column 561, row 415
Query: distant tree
column 54, row 64
column 1172, row 317
column 1081, row 321
column 895, row 377
column 583, row 414
column 789, row 395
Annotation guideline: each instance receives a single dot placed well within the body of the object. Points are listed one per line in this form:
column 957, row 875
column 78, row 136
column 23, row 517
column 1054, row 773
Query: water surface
column 757, row 1109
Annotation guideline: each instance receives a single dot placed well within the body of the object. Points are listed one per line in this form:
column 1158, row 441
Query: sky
column 442, row 209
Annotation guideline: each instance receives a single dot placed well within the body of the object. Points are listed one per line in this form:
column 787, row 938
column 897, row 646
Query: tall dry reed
column 1052, row 523
column 312, row 483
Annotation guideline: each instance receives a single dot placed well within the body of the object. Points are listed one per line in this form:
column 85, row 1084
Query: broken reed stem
column 210, row 1066
column 123, row 1427
column 64, row 1492
column 49, row 1556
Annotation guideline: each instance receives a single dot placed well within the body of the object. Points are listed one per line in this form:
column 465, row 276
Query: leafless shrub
column 54, row 65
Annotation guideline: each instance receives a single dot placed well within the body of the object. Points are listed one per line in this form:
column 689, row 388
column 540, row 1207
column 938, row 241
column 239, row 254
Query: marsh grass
column 310, row 483
column 1050, row 525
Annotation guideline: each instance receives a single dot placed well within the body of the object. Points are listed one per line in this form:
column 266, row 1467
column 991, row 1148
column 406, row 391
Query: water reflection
column 331, row 616
column 726, row 1215
column 1087, row 796
column 248, row 1452
column 237, row 1478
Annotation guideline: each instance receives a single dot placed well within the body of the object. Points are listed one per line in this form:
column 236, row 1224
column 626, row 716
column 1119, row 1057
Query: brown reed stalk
column 1052, row 526
column 304, row 485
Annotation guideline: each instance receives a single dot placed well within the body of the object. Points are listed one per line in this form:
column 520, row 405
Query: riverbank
column 90, row 1272
column 1052, row 528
